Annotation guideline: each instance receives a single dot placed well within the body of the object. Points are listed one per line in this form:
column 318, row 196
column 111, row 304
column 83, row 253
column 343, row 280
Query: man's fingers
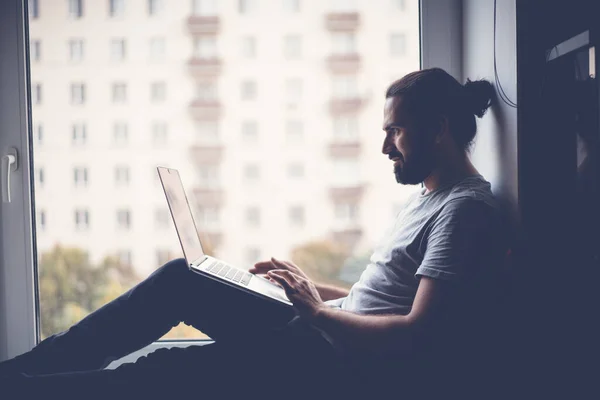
column 284, row 277
column 262, row 267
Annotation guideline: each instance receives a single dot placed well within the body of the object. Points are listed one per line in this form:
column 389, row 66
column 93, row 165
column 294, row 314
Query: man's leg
column 171, row 295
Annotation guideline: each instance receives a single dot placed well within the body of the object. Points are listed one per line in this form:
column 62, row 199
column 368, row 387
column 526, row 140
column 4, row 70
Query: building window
column 120, row 134
column 343, row 43
column 293, row 91
column 297, row 216
column 163, row 256
column 295, row 171
column 248, row 48
column 292, row 47
column 39, row 133
column 123, row 219
column 248, row 90
column 122, row 175
column 34, row 9
column 117, row 50
column 343, row 6
column 346, row 213
column 119, row 92
column 36, row 50
column 82, row 219
column 247, row 6
column 79, row 134
column 253, row 217
column 124, row 257
column 75, row 9
column 80, row 176
column 36, row 94
column 208, row 217
column 117, row 8
column 159, row 134
column 291, row 6
column 205, row 7
column 294, row 132
column 75, row 50
column 206, row 91
column 345, row 87
column 41, row 220
column 158, row 92
column 205, row 47
column 157, row 49
column 250, row 132
column 398, row 45
column 77, row 93
column 208, row 176
column 345, row 172
column 162, row 218
column 39, row 177
column 252, row 255
column 208, row 131
column 345, row 128
column 155, row 7
column 251, row 173
column 399, row 5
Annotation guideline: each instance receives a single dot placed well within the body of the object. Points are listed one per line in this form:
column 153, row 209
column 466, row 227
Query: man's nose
column 385, row 149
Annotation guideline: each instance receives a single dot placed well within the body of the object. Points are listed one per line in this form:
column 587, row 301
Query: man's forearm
column 329, row 292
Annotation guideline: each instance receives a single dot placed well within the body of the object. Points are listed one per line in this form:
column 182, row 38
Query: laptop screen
column 181, row 213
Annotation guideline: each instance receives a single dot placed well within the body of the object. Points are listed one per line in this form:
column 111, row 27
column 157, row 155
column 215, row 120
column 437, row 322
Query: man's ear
column 442, row 129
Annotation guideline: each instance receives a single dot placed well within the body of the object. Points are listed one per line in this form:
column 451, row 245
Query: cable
column 503, row 96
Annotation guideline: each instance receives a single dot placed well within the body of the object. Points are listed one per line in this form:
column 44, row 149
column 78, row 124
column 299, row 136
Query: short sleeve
column 461, row 237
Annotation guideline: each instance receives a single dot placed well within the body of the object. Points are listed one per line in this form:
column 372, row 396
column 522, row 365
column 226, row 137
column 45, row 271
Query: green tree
column 321, row 260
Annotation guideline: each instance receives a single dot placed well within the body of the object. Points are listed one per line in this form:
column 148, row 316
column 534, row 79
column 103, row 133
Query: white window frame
column 19, row 323
column 76, row 50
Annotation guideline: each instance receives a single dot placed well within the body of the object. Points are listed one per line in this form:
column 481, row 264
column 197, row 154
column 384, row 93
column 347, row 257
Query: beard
column 415, row 168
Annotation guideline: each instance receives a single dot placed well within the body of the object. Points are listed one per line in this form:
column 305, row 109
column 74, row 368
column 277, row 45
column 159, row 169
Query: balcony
column 347, row 237
column 208, row 196
column 204, row 67
column 346, row 105
column 203, row 24
column 205, row 109
column 344, row 63
column 342, row 21
column 207, row 154
column 344, row 149
column 347, row 193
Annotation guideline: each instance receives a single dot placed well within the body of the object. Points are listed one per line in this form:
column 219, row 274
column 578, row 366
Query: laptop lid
column 181, row 213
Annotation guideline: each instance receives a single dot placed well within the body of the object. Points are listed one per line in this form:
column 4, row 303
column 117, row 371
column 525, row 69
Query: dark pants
column 257, row 350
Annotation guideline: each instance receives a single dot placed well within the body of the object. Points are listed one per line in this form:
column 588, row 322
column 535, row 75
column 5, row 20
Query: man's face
column 410, row 148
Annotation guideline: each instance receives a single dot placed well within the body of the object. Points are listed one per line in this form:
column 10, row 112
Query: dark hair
column 432, row 92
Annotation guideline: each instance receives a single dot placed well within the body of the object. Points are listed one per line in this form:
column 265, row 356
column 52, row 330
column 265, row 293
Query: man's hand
column 263, row 267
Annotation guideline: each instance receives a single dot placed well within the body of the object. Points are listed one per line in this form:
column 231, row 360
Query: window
column 208, row 217
column 292, row 47
column 157, row 49
column 77, row 93
column 117, row 8
column 248, row 47
column 123, row 219
column 293, row 91
column 120, row 134
column 205, row 7
column 36, row 94
column 82, row 219
column 162, row 218
column 207, row 131
column 398, row 44
column 163, row 256
column 39, row 133
column 343, row 5
column 295, row 170
column 345, row 128
column 399, row 4
column 159, row 134
column 75, row 50
column 117, row 50
column 251, row 173
column 39, row 177
column 75, row 9
column 250, row 132
column 296, row 216
column 36, row 50
column 124, row 257
column 252, row 255
column 346, row 213
column 247, row 6
column 208, row 176
column 294, row 132
column 41, row 220
column 119, row 92
column 253, row 217
column 248, row 90
column 205, row 47
column 155, row 7
column 122, row 175
column 158, row 92
column 79, row 134
column 206, row 91
column 291, row 6
column 80, row 176
column 345, row 87
column 343, row 43
column 345, row 172
column 34, row 9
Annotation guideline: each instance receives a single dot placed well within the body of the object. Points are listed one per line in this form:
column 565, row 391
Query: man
column 410, row 315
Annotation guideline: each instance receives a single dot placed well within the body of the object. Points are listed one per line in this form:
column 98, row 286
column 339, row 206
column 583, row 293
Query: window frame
column 441, row 45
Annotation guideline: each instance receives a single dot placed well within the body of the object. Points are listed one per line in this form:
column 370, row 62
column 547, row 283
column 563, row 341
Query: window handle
column 9, row 165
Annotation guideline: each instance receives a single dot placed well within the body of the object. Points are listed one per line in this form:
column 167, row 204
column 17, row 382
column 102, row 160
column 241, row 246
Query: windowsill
column 161, row 344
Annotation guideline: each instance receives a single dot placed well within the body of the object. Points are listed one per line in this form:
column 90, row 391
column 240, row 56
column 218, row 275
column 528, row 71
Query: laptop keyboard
column 229, row 273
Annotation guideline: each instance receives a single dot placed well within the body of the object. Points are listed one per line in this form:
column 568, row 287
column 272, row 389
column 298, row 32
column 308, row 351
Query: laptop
column 203, row 264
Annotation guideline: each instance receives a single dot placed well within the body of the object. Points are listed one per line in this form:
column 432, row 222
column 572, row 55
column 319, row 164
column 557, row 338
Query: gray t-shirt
column 449, row 234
